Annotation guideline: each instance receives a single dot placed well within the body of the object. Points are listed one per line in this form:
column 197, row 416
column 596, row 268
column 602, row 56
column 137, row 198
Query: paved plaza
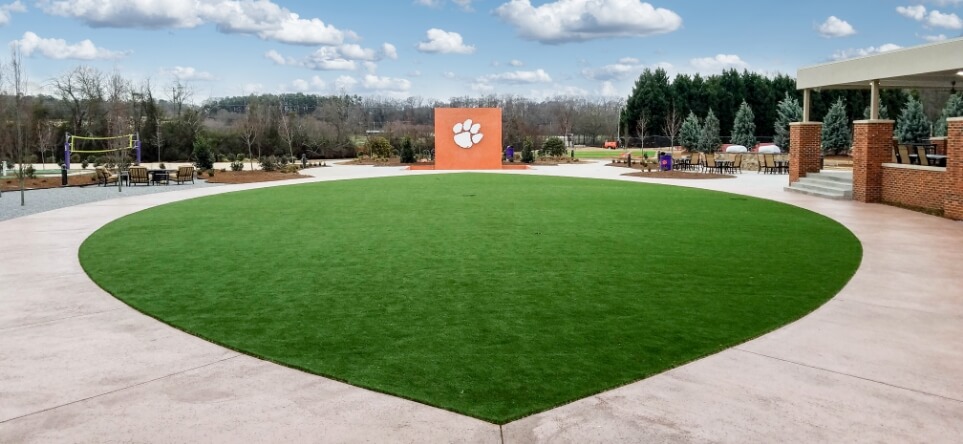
column 880, row 362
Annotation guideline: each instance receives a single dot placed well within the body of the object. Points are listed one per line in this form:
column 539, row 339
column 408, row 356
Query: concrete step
column 829, row 194
column 846, row 178
column 818, row 182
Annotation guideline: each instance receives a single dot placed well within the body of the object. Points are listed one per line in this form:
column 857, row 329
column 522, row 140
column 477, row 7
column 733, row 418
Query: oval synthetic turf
column 492, row 295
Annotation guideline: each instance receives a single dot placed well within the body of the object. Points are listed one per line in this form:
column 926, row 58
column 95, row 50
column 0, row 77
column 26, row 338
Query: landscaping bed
column 235, row 177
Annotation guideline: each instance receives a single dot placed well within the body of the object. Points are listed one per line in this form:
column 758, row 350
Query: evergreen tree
column 787, row 111
column 836, row 134
column 407, row 152
column 744, row 127
column 953, row 108
column 883, row 112
column 709, row 140
column 690, row 132
column 912, row 126
column 528, row 154
column 554, row 146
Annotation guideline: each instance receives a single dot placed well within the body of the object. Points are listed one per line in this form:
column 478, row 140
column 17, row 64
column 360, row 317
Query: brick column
column 872, row 147
column 940, row 143
column 953, row 203
column 805, row 142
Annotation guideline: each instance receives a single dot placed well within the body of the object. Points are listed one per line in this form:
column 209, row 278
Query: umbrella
column 736, row 149
column 769, row 149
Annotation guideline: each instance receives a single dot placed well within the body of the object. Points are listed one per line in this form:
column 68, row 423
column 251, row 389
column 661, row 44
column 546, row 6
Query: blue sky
column 437, row 49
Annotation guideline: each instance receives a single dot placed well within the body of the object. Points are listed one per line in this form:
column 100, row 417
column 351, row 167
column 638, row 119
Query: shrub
column 210, row 172
column 528, row 155
column 407, row 152
column 98, row 161
column 379, row 146
column 203, row 157
column 29, row 172
column 554, row 147
column 85, row 163
column 237, row 163
column 269, row 163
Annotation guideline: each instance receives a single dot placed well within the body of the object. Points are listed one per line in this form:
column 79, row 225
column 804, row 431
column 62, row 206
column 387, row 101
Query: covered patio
column 875, row 178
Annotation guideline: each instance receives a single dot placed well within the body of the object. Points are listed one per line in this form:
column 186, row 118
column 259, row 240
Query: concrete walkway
column 881, row 362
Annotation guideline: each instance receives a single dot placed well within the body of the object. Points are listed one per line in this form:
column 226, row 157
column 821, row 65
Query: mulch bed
column 13, row 184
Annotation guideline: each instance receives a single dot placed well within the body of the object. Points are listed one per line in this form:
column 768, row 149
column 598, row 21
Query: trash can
column 63, row 175
column 665, row 162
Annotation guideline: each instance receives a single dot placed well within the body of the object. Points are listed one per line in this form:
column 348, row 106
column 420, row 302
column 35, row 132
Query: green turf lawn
column 492, row 295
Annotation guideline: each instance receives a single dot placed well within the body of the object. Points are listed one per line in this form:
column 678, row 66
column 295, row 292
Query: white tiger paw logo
column 466, row 134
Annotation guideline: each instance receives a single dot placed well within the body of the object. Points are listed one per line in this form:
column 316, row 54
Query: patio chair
column 921, row 155
column 904, row 157
column 710, row 164
column 763, row 166
column 138, row 174
column 695, row 161
column 104, row 177
column 736, row 164
column 184, row 174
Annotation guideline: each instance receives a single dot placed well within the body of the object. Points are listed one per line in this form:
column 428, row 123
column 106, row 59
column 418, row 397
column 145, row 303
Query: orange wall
column 464, row 149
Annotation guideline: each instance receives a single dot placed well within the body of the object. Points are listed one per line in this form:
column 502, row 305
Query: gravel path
column 38, row 201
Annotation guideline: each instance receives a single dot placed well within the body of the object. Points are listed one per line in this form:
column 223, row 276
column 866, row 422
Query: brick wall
column 872, row 147
column 915, row 188
column 806, row 139
column 940, row 143
column 953, row 205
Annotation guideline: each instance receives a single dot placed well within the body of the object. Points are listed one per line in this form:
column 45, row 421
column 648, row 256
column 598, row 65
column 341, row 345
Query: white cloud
column 934, row 38
column 376, row 83
column 518, row 77
column 346, row 83
column 314, row 84
column 579, row 20
column 448, row 75
column 329, row 58
column 444, row 42
column 262, row 18
column 252, row 88
column 917, row 12
column 861, row 52
column 276, row 57
column 609, row 90
column 189, row 73
column 625, row 67
column 935, row 19
column 9, row 8
column 414, row 73
column 389, row 51
column 463, row 4
column 940, row 20
column 59, row 49
column 835, row 27
column 515, row 62
column 718, row 63
column 356, row 52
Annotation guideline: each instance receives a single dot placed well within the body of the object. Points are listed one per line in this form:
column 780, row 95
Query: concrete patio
column 880, row 362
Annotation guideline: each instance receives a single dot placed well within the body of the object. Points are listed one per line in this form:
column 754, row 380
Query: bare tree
column 285, row 128
column 118, row 121
column 673, row 122
column 44, row 137
column 640, row 125
column 250, row 127
column 20, row 89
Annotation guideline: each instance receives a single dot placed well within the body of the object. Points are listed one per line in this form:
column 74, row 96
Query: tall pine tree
column 883, row 112
column 744, row 127
column 709, row 140
column 836, row 134
column 953, row 108
column 912, row 126
column 787, row 111
column 690, row 132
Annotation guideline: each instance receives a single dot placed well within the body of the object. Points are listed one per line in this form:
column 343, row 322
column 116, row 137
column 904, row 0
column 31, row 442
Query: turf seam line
column 118, row 390
column 50, row 321
column 852, row 376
